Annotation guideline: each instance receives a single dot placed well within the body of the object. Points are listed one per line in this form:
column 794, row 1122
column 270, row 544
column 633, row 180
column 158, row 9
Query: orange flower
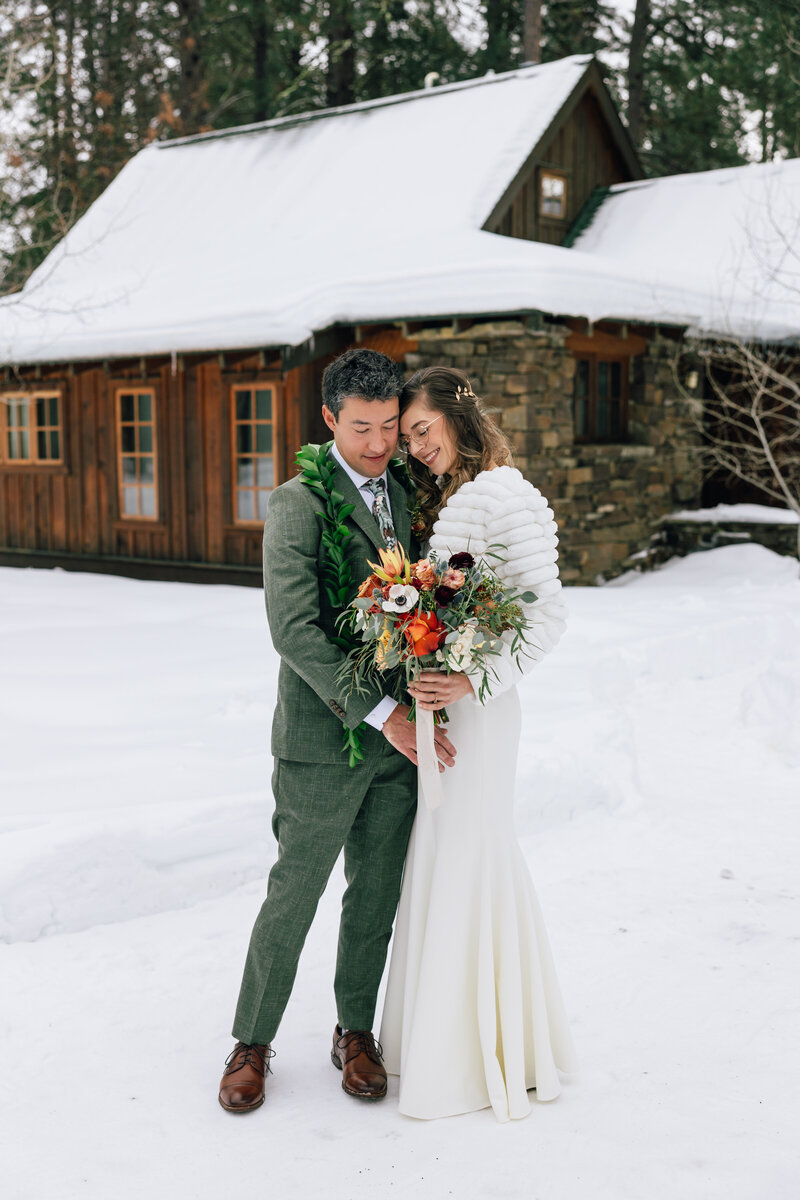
column 394, row 566
column 424, row 572
column 424, row 634
column 368, row 587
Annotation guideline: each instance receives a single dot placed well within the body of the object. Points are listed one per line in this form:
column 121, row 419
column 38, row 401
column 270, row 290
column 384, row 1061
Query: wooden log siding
column 73, row 507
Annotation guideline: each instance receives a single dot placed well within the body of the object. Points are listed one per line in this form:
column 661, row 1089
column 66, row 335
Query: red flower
column 443, row 596
column 425, row 633
column 462, row 561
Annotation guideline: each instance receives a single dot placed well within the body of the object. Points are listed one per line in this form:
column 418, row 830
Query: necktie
column 381, row 512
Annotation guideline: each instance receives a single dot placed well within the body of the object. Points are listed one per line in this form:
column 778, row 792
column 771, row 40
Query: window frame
column 595, row 360
column 546, row 173
column 136, row 389
column 31, row 396
column 252, row 385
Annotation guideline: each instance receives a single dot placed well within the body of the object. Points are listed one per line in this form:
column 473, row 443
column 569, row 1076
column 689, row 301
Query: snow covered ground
column 658, row 809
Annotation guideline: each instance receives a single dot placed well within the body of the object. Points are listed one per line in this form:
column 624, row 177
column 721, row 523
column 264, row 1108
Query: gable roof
column 263, row 235
column 617, row 132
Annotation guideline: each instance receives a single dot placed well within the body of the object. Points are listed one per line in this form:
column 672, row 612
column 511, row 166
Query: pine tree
column 721, row 84
column 576, row 27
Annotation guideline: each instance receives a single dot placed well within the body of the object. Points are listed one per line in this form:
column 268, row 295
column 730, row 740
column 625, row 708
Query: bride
column 473, row 1015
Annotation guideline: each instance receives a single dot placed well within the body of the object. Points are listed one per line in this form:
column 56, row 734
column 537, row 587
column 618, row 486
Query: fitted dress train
column 473, row 1015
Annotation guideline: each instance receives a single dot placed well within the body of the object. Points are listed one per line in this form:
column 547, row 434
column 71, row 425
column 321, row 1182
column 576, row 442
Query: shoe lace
column 360, row 1042
column 252, row 1055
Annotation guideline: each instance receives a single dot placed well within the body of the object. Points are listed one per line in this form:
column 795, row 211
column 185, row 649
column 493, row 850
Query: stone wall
column 607, row 498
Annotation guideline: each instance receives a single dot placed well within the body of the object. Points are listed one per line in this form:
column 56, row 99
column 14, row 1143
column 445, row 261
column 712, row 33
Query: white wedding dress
column 473, row 1014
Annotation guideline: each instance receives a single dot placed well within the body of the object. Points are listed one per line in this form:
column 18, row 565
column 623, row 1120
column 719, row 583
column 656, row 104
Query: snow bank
column 135, row 763
column 657, row 806
column 755, row 514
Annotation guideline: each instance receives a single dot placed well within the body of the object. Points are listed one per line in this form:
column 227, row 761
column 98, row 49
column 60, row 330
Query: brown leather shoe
column 242, row 1086
column 358, row 1056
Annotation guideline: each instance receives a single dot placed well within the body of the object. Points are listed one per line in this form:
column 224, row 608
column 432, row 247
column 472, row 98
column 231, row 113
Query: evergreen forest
column 86, row 84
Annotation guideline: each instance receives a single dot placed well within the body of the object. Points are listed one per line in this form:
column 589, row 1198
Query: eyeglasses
column 420, row 437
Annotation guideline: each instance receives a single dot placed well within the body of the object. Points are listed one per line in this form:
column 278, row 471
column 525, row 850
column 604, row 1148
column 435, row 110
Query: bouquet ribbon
column 428, row 762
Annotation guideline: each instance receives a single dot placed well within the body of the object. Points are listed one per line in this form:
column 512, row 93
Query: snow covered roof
column 731, row 238
column 261, row 235
column 264, row 235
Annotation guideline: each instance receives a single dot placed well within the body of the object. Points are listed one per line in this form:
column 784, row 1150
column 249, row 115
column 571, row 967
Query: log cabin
column 162, row 366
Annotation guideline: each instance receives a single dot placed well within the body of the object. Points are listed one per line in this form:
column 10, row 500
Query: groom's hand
column 402, row 734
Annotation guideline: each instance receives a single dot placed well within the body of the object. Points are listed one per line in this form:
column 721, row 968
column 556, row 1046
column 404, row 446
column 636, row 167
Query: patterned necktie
column 381, row 512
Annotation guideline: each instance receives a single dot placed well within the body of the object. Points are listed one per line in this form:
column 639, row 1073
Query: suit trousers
column 320, row 809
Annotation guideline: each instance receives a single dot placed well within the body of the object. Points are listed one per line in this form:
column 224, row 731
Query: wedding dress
column 473, row 1015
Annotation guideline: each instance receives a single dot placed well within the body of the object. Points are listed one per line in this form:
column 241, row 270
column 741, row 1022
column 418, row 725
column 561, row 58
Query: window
column 136, row 453
column 553, row 195
column 32, row 432
column 600, row 399
column 253, row 451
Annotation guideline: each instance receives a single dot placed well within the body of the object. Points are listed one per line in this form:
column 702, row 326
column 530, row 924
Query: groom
column 321, row 804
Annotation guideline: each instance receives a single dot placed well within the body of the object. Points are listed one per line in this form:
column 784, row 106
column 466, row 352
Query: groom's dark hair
column 366, row 374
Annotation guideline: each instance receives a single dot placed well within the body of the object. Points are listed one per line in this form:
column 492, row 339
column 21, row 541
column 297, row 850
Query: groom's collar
column 360, row 481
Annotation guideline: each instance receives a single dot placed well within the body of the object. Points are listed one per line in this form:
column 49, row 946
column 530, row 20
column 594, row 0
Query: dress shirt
column 385, row 707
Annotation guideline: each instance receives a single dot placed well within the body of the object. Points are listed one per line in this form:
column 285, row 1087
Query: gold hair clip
column 463, row 392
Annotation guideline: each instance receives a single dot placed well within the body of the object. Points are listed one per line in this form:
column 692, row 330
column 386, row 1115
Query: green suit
column 322, row 805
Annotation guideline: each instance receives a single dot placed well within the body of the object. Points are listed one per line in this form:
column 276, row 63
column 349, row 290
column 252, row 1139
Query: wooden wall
column 72, row 508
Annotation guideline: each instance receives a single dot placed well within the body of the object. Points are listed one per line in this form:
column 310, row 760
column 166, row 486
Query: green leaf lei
column 318, row 471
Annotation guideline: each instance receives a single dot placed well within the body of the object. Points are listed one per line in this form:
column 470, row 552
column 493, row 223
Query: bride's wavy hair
column 479, row 443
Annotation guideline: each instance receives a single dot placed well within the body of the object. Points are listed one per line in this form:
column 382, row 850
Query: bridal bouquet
column 445, row 616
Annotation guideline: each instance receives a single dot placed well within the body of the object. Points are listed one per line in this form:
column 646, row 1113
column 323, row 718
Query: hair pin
column 463, row 392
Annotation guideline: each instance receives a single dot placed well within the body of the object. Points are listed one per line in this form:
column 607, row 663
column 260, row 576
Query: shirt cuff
column 381, row 712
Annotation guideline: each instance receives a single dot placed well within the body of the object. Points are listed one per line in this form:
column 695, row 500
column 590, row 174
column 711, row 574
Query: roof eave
column 535, row 317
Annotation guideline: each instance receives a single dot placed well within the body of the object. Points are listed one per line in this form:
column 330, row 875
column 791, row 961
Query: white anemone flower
column 402, row 598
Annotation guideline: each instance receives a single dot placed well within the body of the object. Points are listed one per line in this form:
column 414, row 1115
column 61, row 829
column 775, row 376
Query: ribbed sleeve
column 504, row 519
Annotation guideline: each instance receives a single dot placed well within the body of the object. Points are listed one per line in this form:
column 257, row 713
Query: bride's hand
column 434, row 690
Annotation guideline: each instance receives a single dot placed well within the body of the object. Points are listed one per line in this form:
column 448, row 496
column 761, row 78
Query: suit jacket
column 311, row 709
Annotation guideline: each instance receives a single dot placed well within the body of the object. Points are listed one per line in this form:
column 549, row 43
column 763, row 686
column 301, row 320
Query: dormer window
column 552, row 196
